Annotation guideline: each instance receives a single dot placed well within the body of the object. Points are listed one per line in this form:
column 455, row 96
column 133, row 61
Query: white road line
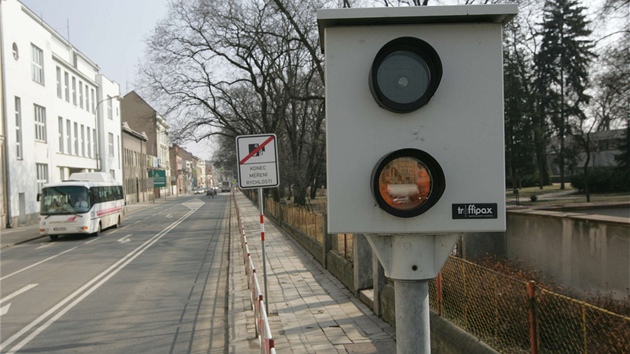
column 36, row 264
column 23, row 290
column 45, row 245
column 125, row 239
column 84, row 291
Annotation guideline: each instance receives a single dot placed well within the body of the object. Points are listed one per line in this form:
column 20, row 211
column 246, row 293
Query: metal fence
column 263, row 331
column 511, row 315
column 310, row 224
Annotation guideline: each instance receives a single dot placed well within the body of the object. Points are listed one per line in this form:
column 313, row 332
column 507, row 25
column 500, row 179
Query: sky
column 112, row 33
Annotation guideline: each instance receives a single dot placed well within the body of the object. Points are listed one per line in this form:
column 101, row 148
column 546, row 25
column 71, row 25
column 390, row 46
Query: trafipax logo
column 475, row 211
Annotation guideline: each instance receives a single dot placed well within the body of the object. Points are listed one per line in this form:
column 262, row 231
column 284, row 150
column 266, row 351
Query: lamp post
column 98, row 134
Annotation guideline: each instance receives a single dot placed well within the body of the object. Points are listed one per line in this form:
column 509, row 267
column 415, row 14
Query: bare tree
column 234, row 68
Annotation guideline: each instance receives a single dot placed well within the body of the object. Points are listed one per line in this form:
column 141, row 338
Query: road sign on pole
column 257, row 161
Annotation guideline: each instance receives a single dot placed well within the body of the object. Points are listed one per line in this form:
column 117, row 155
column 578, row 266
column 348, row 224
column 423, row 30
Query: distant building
column 135, row 166
column 62, row 114
column 141, row 117
column 604, row 145
column 183, row 165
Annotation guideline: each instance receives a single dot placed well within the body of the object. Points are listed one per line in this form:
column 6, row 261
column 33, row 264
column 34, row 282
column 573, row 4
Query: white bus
column 85, row 204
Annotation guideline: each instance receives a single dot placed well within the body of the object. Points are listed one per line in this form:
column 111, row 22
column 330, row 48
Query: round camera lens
column 407, row 182
column 403, row 77
column 405, row 74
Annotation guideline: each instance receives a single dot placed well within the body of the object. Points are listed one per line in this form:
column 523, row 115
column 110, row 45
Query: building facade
column 61, row 115
column 141, row 117
column 135, row 166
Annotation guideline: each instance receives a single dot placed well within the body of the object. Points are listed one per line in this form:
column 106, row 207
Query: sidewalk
column 310, row 311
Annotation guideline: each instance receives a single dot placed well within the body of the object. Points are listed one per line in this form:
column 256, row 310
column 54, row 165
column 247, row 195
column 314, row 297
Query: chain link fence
column 510, row 315
column 514, row 316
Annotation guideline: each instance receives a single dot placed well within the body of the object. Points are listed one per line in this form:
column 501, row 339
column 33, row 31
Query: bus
column 225, row 186
column 87, row 203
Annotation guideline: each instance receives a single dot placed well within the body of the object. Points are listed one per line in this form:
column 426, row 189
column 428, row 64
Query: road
column 157, row 284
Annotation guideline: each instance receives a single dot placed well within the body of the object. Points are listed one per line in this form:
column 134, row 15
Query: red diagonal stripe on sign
column 255, row 151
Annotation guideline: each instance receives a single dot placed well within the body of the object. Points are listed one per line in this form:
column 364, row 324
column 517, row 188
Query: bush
column 602, row 180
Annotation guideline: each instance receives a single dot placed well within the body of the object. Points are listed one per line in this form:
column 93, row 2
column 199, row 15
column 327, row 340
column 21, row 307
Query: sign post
column 258, row 168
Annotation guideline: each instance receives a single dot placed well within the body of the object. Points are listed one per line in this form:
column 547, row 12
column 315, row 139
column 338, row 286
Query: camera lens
column 407, row 182
column 403, row 77
column 405, row 74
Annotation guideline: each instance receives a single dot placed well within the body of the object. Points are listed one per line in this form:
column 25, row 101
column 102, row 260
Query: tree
column 235, row 68
column 519, row 147
column 562, row 63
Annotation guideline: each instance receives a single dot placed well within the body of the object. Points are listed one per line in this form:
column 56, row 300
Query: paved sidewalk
column 310, row 311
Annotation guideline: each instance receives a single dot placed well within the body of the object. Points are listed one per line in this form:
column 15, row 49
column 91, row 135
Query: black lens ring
column 438, row 182
column 411, row 45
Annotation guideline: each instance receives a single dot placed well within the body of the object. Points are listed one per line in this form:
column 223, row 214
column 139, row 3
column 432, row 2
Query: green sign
column 159, row 177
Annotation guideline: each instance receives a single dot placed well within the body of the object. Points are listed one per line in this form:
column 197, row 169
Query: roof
column 413, row 15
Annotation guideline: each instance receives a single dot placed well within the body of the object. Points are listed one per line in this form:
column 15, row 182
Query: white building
column 60, row 114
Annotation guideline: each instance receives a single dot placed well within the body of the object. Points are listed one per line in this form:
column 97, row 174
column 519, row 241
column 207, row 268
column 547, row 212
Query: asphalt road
column 157, row 284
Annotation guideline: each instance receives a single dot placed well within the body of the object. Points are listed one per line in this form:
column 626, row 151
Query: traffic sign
column 257, row 161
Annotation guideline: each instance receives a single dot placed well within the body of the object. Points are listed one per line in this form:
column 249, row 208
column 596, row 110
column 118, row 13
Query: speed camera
column 414, row 112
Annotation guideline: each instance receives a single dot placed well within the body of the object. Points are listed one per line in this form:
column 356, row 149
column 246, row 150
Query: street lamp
column 98, row 134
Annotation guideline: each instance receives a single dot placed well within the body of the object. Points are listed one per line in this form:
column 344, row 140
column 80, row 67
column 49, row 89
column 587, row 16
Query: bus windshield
column 64, row 200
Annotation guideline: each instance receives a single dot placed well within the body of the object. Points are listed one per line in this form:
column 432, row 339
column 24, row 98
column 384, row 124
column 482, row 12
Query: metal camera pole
column 411, row 260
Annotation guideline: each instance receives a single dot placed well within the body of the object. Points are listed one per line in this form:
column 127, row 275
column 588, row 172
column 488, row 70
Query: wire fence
column 511, row 315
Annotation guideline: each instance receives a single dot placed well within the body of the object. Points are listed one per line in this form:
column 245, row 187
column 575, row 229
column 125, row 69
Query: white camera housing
column 461, row 126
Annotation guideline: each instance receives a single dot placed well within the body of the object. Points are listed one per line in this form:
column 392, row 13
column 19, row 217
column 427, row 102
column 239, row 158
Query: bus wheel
column 54, row 237
column 98, row 231
column 117, row 223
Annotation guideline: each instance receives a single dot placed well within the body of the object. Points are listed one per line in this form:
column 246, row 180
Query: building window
column 87, row 99
column 93, row 101
column 66, row 82
column 118, row 148
column 82, row 140
column 94, row 143
column 110, row 141
column 18, row 128
column 89, row 142
column 81, row 93
column 16, row 52
column 76, row 138
column 109, row 108
column 74, row 90
column 42, row 176
column 37, row 66
column 59, row 88
column 68, row 137
column 60, row 128
column 40, row 123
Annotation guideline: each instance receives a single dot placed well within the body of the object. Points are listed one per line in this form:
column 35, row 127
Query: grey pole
column 412, row 317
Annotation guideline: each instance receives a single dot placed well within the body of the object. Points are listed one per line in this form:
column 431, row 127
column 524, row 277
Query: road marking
column 78, row 295
column 23, row 290
column 36, row 264
column 45, row 245
column 88, row 242
column 5, row 309
column 124, row 239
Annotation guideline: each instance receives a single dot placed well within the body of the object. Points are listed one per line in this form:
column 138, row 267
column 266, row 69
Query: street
column 157, row 284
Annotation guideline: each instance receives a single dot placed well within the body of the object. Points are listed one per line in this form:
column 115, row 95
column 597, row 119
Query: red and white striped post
column 262, row 239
